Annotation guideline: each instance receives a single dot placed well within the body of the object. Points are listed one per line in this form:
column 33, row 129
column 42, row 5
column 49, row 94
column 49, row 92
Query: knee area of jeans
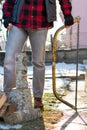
column 38, row 64
column 9, row 66
column 9, row 60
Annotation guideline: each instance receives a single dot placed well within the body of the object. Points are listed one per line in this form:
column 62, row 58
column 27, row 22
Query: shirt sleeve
column 8, row 8
column 66, row 6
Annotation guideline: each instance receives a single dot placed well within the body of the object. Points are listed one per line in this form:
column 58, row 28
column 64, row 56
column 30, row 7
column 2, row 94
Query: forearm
column 66, row 7
column 7, row 13
column 8, row 8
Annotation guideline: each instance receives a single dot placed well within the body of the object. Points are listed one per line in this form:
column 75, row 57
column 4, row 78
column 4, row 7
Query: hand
column 7, row 23
column 9, row 26
column 68, row 20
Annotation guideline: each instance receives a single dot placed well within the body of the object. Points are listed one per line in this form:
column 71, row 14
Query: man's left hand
column 69, row 20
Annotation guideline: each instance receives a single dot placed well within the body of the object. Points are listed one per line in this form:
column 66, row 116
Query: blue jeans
column 16, row 39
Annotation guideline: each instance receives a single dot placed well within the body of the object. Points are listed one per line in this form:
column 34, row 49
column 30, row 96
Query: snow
column 7, row 127
column 61, row 69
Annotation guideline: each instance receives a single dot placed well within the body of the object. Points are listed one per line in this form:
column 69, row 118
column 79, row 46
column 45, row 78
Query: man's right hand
column 9, row 26
column 7, row 23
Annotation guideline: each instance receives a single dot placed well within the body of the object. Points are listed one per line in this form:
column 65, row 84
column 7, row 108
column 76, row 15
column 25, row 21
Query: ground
column 58, row 116
column 50, row 116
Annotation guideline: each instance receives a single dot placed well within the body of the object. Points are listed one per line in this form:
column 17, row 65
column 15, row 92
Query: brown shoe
column 38, row 103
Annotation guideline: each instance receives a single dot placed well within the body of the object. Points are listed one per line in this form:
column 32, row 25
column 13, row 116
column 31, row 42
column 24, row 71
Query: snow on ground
column 7, row 127
column 62, row 69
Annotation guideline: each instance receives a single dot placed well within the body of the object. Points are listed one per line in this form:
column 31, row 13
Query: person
column 30, row 18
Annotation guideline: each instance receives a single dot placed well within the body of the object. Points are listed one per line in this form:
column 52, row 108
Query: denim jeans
column 16, row 39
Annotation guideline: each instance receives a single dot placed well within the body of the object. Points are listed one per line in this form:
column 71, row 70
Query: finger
column 9, row 26
column 68, row 26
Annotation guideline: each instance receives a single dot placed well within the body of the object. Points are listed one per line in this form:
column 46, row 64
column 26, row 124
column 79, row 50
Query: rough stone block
column 21, row 70
column 21, row 98
column 22, row 116
column 21, row 61
column 21, row 81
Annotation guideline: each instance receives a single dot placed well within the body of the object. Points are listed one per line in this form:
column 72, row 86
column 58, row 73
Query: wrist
column 7, row 20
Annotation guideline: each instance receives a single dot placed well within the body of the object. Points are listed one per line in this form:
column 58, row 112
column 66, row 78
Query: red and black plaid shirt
column 33, row 13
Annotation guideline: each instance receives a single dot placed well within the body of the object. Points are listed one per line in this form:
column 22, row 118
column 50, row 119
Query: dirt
column 46, row 122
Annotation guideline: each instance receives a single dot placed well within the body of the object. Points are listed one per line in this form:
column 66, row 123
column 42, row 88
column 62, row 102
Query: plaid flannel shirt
column 33, row 13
